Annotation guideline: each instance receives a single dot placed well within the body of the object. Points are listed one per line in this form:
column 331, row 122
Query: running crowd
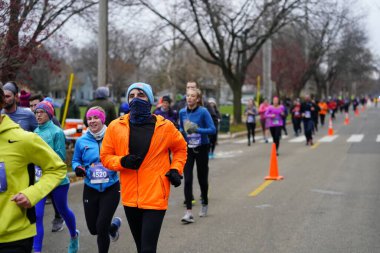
column 310, row 111
column 134, row 157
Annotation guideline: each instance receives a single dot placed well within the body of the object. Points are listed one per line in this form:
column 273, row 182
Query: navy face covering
column 139, row 111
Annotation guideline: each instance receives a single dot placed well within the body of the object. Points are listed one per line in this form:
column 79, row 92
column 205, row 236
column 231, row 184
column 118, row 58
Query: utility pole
column 267, row 68
column 103, row 43
column 267, row 60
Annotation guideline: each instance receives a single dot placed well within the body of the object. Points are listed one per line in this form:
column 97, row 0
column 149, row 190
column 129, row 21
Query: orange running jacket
column 324, row 108
column 147, row 187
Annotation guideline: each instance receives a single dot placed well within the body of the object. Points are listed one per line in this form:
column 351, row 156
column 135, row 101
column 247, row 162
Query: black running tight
column 99, row 208
column 198, row 155
column 145, row 226
column 276, row 135
column 250, row 131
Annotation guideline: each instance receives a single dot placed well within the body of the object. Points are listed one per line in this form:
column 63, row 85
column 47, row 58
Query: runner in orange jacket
column 324, row 109
column 138, row 145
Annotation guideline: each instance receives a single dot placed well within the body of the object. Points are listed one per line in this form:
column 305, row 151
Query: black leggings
column 21, row 246
column 308, row 129
column 297, row 125
column 322, row 117
column 276, row 135
column 99, row 208
column 145, row 226
column 213, row 139
column 284, row 126
column 200, row 156
column 251, row 131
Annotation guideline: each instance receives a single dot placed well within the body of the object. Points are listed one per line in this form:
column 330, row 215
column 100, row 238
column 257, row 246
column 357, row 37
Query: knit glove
column 80, row 171
column 131, row 161
column 174, row 177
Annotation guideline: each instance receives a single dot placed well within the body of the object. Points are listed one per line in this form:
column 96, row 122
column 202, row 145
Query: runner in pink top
column 262, row 109
column 274, row 120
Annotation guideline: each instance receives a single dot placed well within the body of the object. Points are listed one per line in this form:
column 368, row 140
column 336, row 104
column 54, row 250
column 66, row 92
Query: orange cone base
column 331, row 132
column 274, row 178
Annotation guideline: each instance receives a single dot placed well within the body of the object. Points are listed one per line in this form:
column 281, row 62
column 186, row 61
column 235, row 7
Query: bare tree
column 231, row 33
column 25, row 24
column 354, row 62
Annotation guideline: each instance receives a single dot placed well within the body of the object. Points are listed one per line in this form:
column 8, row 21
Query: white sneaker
column 188, row 218
column 203, row 211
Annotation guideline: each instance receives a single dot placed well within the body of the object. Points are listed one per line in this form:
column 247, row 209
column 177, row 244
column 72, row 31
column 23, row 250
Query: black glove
column 174, row 177
column 131, row 161
column 80, row 171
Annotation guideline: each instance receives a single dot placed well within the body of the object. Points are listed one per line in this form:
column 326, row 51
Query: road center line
column 260, row 188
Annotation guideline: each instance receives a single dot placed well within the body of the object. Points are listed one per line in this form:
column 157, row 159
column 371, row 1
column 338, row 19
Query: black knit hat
column 167, row 99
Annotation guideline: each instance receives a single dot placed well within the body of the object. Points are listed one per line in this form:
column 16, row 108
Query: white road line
column 228, row 154
column 356, row 138
column 240, row 141
column 298, row 139
column 245, row 141
column 378, row 138
column 269, row 140
column 327, row 192
column 328, row 138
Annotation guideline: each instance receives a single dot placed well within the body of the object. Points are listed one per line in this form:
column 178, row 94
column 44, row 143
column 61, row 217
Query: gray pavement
column 327, row 202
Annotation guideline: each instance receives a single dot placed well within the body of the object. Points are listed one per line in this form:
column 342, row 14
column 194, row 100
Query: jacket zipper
column 101, row 185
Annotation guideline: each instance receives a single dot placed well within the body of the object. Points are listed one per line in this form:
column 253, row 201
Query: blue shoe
column 74, row 243
column 115, row 222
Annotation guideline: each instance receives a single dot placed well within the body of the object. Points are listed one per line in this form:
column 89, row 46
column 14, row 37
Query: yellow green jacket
column 18, row 151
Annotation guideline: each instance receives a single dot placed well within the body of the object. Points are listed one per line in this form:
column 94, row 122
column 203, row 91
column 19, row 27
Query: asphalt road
column 329, row 200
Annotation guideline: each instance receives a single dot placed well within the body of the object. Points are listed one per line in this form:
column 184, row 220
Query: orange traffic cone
column 357, row 112
column 331, row 129
column 347, row 119
column 273, row 169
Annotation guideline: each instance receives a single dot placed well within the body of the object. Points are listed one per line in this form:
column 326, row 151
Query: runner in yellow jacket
column 19, row 150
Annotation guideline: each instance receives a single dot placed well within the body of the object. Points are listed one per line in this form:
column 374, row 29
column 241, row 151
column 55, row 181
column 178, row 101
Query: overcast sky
column 371, row 22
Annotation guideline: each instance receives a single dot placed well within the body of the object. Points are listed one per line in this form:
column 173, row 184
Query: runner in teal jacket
column 55, row 138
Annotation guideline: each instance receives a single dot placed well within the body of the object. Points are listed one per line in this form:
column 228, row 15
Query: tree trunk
column 237, row 104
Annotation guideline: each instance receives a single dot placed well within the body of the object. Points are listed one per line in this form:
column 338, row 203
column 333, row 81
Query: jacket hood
column 7, row 124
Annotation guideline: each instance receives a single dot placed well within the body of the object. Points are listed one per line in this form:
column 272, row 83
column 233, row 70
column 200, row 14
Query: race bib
column 194, row 140
column 307, row 114
column 3, row 178
column 250, row 119
column 99, row 174
column 275, row 122
column 297, row 113
column 37, row 173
